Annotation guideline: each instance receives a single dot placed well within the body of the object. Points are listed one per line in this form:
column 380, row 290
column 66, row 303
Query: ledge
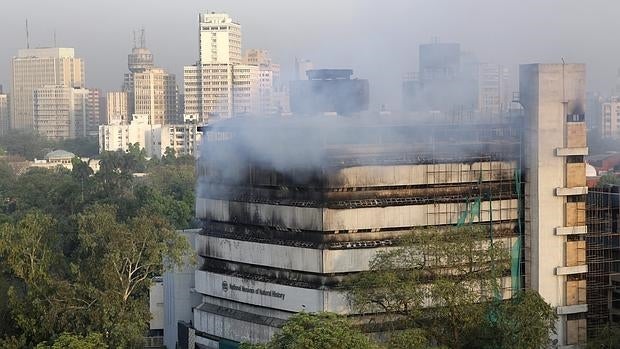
column 571, row 270
column 577, row 230
column 571, row 191
column 571, row 151
column 572, row 309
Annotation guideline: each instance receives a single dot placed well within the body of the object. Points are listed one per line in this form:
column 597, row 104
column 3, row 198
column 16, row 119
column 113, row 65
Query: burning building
column 291, row 206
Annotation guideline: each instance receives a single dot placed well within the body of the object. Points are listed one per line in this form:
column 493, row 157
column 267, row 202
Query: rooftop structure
column 140, row 59
column 329, row 90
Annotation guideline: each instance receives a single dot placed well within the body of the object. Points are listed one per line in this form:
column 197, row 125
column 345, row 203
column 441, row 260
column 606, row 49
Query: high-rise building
column 301, row 67
column 4, row 112
column 153, row 92
column 594, row 105
column 219, row 39
column 443, row 83
column 553, row 98
column 94, row 108
column 329, row 90
column 150, row 91
column 440, row 61
column 492, row 88
column 35, row 68
column 219, row 85
column 269, row 79
column 610, row 118
column 117, row 108
column 140, row 59
column 61, row 112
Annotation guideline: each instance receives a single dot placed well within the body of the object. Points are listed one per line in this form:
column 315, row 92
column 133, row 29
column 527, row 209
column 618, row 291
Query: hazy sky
column 379, row 39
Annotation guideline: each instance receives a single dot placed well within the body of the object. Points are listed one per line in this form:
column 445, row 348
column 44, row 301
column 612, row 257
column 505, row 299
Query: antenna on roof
column 55, row 45
column 135, row 45
column 27, row 35
column 142, row 39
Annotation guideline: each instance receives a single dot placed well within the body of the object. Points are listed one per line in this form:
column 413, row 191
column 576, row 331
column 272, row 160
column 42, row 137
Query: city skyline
column 172, row 38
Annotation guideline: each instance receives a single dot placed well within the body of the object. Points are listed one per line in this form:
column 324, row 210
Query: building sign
column 269, row 293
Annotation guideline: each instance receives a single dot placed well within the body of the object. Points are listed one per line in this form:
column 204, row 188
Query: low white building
column 64, row 159
column 154, row 138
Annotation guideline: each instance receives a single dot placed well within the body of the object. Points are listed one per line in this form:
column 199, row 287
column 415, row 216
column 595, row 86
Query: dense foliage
column 30, row 145
column 78, row 249
column 317, row 331
column 607, row 180
column 605, row 338
column 458, row 271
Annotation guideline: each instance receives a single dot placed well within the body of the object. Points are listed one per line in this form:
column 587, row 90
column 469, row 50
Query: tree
column 70, row 341
column 118, row 261
column 457, row 271
column 179, row 213
column 317, row 331
column 169, row 156
column 413, row 338
column 608, row 179
column 606, row 338
column 523, row 322
column 96, row 283
column 82, row 173
column 39, row 297
column 25, row 143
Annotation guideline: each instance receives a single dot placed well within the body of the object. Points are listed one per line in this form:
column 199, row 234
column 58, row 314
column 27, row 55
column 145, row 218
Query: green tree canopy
column 317, row 331
column 444, row 284
column 70, row 341
column 97, row 284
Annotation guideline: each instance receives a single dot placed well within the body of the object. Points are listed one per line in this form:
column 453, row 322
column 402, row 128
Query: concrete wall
column 271, row 295
column 323, row 219
column 400, row 175
column 233, row 329
column 286, row 257
column 290, row 257
column 371, row 176
column 179, row 295
column 549, row 92
column 156, row 305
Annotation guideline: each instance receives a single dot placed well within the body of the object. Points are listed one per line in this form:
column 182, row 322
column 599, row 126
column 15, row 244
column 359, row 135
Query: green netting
column 471, row 211
column 515, row 267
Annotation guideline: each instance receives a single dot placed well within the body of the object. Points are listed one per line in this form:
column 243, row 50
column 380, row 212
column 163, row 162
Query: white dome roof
column 59, row 154
column 590, row 171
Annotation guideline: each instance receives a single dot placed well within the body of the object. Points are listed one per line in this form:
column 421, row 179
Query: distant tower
column 150, row 91
column 220, row 63
column 301, row 67
column 36, row 68
column 140, row 59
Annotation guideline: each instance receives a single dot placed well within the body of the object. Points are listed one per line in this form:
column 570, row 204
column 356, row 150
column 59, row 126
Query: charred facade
column 280, row 233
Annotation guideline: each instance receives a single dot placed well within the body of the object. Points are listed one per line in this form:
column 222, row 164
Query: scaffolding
column 603, row 258
column 499, row 207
